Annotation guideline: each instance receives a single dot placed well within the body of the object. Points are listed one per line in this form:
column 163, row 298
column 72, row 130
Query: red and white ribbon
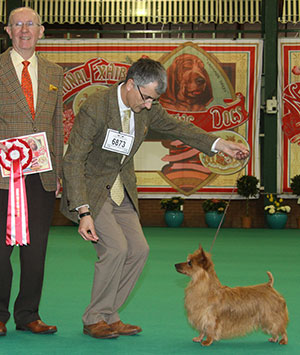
column 17, row 158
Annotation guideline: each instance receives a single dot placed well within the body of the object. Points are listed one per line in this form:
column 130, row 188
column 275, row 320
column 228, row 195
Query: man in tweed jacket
column 91, row 168
column 24, row 28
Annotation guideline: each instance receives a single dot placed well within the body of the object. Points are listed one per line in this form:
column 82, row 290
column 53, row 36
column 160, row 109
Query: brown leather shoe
column 125, row 329
column 3, row 329
column 100, row 330
column 38, row 327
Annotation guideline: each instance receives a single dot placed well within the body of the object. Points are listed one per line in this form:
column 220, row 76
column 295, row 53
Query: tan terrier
column 220, row 312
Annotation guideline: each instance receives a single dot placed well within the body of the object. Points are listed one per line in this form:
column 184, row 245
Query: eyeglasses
column 29, row 24
column 146, row 98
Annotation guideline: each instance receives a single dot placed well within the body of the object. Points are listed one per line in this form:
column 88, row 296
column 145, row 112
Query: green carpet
column 241, row 257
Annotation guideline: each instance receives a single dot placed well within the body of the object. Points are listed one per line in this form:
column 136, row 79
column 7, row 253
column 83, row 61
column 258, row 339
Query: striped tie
column 26, row 85
column 117, row 190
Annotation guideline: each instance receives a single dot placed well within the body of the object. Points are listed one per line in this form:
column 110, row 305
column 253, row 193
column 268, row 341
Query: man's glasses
column 29, row 24
column 147, row 98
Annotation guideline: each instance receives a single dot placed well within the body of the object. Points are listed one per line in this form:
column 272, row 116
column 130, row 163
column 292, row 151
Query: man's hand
column 87, row 229
column 3, row 147
column 234, row 150
column 58, row 185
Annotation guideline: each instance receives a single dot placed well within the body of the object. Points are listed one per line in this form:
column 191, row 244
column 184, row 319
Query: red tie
column 26, row 85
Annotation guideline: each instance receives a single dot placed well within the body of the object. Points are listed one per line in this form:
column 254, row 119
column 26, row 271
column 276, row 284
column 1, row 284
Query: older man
column 100, row 184
column 20, row 115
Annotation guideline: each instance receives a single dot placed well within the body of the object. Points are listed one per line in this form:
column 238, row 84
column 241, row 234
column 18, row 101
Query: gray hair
column 23, row 8
column 145, row 71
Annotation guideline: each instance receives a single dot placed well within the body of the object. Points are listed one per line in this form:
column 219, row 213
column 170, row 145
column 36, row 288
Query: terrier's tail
column 271, row 279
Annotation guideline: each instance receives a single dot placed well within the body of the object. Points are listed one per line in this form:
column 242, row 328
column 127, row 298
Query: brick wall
column 152, row 215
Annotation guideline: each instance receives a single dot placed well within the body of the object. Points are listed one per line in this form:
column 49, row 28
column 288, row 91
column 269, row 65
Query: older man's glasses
column 29, row 24
column 147, row 98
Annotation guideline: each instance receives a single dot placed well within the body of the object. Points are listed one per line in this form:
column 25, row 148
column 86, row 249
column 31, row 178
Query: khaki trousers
column 122, row 251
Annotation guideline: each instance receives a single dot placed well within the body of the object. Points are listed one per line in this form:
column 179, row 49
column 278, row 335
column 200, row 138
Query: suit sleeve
column 81, row 141
column 171, row 128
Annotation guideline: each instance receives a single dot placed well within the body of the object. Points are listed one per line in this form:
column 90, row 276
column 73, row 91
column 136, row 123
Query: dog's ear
column 202, row 250
column 172, row 79
column 203, row 253
column 202, row 259
column 207, row 95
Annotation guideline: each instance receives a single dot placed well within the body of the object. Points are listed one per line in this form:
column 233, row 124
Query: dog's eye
column 189, row 263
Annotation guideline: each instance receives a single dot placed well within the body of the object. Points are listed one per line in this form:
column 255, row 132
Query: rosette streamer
column 16, row 159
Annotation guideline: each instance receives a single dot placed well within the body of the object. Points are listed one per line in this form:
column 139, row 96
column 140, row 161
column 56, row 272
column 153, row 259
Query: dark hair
column 145, row 71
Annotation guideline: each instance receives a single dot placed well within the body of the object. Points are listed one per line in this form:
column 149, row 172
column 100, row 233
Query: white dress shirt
column 123, row 108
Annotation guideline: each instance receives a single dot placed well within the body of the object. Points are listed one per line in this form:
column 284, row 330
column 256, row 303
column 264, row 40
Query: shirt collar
column 17, row 59
column 122, row 106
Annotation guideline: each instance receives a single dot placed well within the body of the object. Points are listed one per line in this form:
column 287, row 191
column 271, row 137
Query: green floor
column 241, row 257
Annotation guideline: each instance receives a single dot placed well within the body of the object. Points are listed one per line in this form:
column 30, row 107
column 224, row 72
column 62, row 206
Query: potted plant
column 295, row 186
column 173, row 210
column 276, row 212
column 247, row 186
column 214, row 211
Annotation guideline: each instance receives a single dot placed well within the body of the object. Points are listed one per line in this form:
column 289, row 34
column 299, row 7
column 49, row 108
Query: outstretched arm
column 234, row 150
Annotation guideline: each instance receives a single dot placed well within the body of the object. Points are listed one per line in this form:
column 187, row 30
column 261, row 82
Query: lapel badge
column 52, row 88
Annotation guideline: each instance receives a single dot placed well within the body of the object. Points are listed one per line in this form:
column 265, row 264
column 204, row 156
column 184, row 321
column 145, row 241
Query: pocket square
column 52, row 88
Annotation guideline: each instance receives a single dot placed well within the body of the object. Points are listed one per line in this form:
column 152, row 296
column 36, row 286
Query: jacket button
column 108, row 187
column 34, row 129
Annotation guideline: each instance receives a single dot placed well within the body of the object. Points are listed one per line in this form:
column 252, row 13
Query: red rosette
column 16, row 149
column 17, row 158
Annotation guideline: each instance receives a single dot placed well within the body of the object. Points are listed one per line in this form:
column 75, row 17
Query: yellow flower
column 276, row 205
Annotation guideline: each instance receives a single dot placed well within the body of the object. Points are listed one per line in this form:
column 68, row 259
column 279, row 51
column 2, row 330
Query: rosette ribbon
column 16, row 159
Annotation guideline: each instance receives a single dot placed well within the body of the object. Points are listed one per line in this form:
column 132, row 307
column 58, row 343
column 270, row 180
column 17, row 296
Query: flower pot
column 213, row 219
column 246, row 222
column 174, row 218
column 277, row 220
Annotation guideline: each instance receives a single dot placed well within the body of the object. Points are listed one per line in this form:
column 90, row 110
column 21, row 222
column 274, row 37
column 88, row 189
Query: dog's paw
column 273, row 340
column 198, row 339
column 207, row 342
column 283, row 341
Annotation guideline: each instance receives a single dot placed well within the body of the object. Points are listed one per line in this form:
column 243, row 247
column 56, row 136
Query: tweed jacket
column 16, row 119
column 89, row 171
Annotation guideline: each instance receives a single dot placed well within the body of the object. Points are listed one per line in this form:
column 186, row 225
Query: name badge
column 118, row 142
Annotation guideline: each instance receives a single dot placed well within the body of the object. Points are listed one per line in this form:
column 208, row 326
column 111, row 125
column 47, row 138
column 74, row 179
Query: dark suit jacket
column 90, row 171
column 15, row 116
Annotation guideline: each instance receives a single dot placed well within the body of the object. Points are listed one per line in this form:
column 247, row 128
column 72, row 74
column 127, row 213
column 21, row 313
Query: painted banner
column 215, row 84
column 289, row 112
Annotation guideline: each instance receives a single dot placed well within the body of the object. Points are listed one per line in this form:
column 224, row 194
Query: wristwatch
column 81, row 215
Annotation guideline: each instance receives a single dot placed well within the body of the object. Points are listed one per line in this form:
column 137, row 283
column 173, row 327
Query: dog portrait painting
column 189, row 86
